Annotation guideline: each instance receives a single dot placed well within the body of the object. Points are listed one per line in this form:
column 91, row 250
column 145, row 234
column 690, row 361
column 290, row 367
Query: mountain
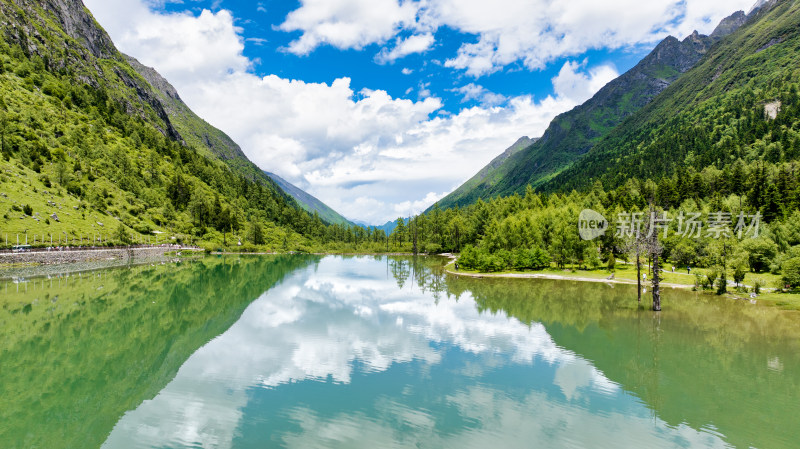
column 310, row 203
column 738, row 107
column 94, row 144
column 572, row 134
column 729, row 24
column 192, row 129
column 489, row 176
column 389, row 226
column 195, row 131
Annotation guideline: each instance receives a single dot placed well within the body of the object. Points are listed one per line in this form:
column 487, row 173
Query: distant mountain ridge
column 572, row 134
column 310, row 203
column 389, row 226
column 489, row 175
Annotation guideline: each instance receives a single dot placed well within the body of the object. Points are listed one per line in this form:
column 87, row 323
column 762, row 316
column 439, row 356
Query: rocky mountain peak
column 154, row 78
column 73, row 18
column 729, row 24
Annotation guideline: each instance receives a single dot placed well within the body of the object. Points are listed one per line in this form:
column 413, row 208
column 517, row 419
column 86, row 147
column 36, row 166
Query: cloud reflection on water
column 323, row 323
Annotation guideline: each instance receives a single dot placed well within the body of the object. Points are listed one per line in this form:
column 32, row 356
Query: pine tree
column 771, row 208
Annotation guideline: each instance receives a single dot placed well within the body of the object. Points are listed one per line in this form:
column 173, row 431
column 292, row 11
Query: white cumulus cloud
column 368, row 155
column 346, row 23
column 473, row 91
column 536, row 32
column 183, row 47
column 578, row 85
column 531, row 32
column 417, row 43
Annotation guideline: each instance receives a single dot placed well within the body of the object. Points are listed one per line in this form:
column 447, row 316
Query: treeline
column 538, row 230
column 723, row 133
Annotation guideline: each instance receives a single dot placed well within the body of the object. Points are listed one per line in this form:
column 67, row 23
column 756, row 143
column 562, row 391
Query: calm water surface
column 305, row 352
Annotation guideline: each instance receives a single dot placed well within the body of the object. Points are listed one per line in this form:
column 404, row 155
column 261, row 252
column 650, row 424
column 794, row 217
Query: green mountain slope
column 195, row 131
column 200, row 134
column 310, row 203
column 573, row 133
column 738, row 106
column 477, row 186
column 91, row 150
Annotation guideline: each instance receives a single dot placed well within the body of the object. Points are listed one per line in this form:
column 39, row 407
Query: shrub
column 27, row 209
column 74, row 188
column 591, row 258
column 760, row 252
column 739, row 274
column 490, row 263
column 612, row 262
column 143, row 228
column 468, row 257
column 698, row 280
column 540, row 258
column 122, row 235
column 54, row 90
column 722, row 284
column 23, row 70
column 684, row 253
column 711, row 279
column 432, row 248
column 791, row 272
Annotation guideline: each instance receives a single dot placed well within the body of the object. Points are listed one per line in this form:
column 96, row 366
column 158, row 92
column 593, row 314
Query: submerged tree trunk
column 639, row 277
column 656, row 281
column 654, row 250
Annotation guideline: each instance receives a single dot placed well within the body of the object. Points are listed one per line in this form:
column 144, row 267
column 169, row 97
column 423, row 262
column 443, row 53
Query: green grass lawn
column 785, row 301
column 627, row 272
column 622, row 271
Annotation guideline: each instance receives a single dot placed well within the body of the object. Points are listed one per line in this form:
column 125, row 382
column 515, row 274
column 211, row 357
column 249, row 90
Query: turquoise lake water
column 306, row 352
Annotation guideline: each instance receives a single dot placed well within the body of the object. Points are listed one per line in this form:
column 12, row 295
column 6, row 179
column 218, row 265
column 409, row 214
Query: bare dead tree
column 654, row 249
column 636, row 244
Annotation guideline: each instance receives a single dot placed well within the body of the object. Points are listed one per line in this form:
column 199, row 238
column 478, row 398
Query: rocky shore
column 43, row 263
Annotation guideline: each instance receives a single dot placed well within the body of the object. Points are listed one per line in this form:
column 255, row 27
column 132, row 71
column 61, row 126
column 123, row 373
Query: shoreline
column 36, row 260
column 232, row 253
column 558, row 277
column 92, row 260
column 33, row 264
column 41, row 263
column 767, row 298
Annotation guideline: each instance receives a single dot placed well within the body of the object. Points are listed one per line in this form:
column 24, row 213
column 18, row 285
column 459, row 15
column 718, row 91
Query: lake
column 307, row 351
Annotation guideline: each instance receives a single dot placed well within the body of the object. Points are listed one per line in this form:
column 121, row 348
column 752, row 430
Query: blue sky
column 381, row 107
column 266, row 44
